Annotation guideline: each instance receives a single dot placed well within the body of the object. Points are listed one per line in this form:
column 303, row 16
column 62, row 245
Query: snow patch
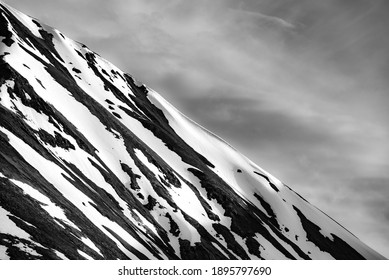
column 60, row 255
column 51, row 208
column 91, row 245
column 3, row 253
column 85, row 255
column 9, row 227
column 23, row 247
column 140, row 155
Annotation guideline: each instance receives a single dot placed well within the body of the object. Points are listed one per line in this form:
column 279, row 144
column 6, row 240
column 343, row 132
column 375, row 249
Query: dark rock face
column 340, row 249
column 95, row 165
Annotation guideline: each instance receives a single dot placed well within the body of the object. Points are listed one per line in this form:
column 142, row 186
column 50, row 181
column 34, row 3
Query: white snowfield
column 116, row 171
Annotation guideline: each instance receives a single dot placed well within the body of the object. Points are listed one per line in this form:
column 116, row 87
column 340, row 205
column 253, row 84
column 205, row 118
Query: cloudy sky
column 298, row 86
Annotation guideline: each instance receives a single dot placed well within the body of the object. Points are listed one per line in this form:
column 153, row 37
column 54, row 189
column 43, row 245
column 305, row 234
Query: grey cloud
column 249, row 118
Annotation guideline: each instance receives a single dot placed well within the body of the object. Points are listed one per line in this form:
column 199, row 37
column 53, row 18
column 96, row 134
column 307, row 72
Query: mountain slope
column 95, row 165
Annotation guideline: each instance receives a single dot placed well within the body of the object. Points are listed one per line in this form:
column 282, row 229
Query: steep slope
column 95, row 165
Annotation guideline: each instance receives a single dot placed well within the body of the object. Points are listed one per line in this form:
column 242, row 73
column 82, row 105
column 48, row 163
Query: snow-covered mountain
column 95, row 165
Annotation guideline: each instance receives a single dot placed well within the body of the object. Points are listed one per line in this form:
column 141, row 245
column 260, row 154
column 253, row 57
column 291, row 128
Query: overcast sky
column 298, row 86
